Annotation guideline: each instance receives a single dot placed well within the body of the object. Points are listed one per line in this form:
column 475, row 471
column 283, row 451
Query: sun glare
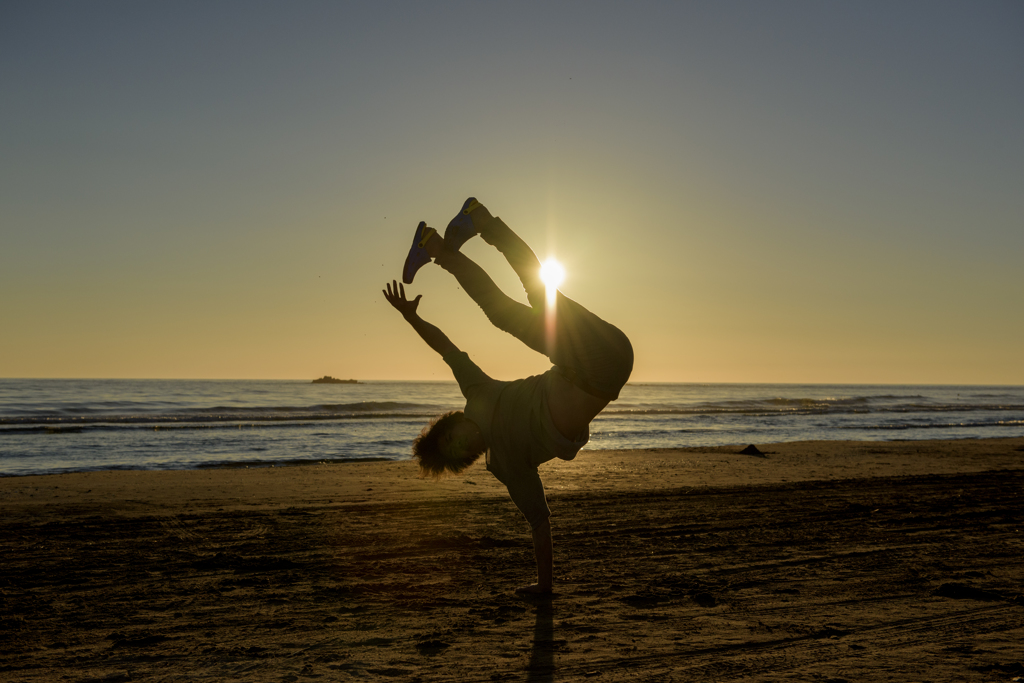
column 552, row 273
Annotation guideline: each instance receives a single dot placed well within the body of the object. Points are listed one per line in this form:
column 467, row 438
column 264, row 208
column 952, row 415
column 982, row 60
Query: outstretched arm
column 435, row 338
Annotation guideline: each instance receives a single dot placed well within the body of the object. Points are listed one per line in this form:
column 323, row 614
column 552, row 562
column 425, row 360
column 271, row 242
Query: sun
column 552, row 273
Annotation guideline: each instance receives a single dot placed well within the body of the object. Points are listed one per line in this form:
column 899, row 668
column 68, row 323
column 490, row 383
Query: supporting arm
column 542, row 548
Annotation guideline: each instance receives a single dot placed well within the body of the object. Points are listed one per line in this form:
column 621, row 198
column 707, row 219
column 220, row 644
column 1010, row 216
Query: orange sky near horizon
column 785, row 193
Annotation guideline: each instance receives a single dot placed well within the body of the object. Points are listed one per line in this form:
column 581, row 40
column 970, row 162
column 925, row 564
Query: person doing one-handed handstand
column 523, row 423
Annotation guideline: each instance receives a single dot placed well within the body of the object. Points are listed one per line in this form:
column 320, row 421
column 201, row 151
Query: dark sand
column 825, row 561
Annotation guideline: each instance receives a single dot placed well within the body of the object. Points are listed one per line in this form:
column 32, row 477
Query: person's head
column 450, row 443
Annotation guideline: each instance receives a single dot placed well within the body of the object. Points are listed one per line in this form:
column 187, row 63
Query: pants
column 591, row 353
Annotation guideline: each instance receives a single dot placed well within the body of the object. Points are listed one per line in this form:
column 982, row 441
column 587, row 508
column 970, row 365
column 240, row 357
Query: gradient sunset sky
column 752, row 191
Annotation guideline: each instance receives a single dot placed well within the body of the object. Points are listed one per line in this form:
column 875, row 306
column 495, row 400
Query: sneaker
column 417, row 257
column 461, row 227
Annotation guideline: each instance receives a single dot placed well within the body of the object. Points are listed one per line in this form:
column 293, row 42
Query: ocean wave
column 53, row 422
column 390, row 410
column 360, row 407
column 153, row 410
column 143, row 412
column 806, row 407
column 157, row 422
column 253, row 463
column 974, row 424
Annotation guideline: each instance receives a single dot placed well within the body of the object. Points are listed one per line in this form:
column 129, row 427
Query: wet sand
column 825, row 561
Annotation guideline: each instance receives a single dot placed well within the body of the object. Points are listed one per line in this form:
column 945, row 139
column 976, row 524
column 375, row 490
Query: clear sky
column 752, row 191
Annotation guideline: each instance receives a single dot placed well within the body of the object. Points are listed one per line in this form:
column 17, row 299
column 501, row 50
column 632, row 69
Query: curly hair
column 426, row 448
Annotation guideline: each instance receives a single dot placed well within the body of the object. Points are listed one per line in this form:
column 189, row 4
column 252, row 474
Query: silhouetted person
column 526, row 422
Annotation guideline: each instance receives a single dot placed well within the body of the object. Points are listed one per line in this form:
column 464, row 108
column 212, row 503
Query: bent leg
column 592, row 354
column 520, row 256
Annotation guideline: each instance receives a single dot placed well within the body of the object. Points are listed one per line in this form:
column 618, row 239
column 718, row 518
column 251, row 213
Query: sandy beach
column 825, row 561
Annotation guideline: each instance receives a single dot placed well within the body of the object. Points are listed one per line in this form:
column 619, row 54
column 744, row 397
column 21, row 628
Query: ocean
column 58, row 425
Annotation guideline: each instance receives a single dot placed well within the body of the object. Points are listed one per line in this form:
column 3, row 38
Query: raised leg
column 475, row 218
column 525, row 323
column 592, row 354
column 520, row 256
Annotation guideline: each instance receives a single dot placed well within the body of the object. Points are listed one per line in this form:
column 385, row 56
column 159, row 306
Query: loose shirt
column 515, row 421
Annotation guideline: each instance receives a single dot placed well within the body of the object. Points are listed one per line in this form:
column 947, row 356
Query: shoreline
column 826, row 445
column 867, row 561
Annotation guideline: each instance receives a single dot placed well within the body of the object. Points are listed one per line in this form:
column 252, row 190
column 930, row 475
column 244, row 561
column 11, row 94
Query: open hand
column 395, row 294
